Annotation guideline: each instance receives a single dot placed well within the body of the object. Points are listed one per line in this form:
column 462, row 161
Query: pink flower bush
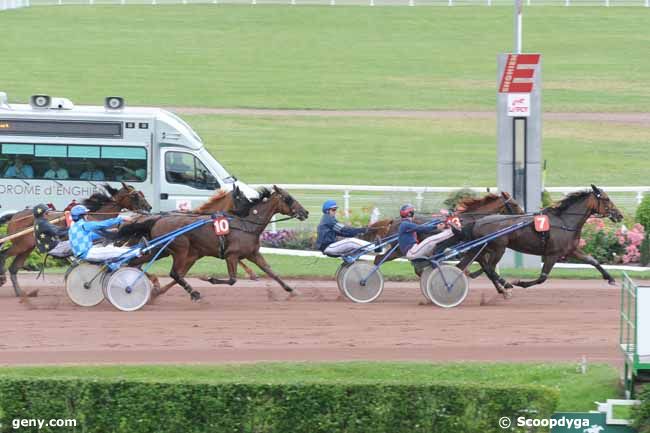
column 631, row 239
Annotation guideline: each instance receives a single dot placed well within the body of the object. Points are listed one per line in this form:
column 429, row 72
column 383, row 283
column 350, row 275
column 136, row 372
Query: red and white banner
column 518, row 104
column 519, row 73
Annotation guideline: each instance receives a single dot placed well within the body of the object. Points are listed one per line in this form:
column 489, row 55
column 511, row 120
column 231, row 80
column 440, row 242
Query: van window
column 73, row 162
column 184, row 168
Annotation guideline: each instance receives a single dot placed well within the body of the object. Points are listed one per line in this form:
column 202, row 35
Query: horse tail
column 137, row 229
column 6, row 217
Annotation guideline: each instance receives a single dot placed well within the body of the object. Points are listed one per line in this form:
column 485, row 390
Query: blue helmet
column 78, row 211
column 329, row 204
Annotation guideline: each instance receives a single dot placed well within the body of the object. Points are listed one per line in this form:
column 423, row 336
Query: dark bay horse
column 243, row 241
column 468, row 210
column 101, row 205
column 566, row 219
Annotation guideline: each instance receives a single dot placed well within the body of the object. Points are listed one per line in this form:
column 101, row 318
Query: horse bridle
column 506, row 203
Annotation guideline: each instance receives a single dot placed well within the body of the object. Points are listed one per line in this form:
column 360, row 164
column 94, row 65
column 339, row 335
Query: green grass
column 595, row 58
column 316, row 267
column 389, row 151
column 577, row 391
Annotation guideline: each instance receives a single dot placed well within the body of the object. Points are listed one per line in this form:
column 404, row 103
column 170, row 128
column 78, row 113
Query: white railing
column 13, row 4
column 388, row 198
column 606, row 3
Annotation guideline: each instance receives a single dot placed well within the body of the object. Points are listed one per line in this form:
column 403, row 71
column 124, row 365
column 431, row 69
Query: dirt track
column 561, row 320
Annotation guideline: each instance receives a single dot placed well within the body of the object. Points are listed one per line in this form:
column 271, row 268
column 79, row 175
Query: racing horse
column 565, row 221
column 242, row 242
column 101, row 205
column 472, row 210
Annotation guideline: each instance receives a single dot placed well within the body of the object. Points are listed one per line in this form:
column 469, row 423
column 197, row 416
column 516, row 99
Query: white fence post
column 567, row 2
column 489, row 2
column 332, row 2
column 647, row 3
column 418, row 200
column 372, row 2
column 607, row 3
column 346, row 203
column 411, row 2
column 450, row 3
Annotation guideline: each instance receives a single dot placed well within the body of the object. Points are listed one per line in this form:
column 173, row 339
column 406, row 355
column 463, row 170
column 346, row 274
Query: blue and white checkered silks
column 82, row 234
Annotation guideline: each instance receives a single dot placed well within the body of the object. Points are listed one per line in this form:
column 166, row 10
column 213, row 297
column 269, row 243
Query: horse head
column 130, row 198
column 510, row 204
column 288, row 205
column 604, row 206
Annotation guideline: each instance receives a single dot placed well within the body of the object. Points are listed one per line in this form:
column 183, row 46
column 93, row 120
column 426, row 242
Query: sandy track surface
column 559, row 321
column 638, row 118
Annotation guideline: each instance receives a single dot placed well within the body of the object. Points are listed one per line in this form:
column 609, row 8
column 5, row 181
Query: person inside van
column 56, row 171
column 177, row 170
column 19, row 170
column 132, row 170
column 92, row 172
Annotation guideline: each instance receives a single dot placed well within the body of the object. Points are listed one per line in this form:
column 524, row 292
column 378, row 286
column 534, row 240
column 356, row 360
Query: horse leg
column 549, row 262
column 3, row 258
column 249, row 271
column 259, row 260
column 231, row 262
column 586, row 258
column 180, row 266
column 17, row 264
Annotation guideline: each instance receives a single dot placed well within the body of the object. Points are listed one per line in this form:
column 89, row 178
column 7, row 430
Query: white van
column 52, row 151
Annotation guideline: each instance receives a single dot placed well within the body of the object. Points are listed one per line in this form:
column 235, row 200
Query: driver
column 329, row 228
column 83, row 233
column 408, row 235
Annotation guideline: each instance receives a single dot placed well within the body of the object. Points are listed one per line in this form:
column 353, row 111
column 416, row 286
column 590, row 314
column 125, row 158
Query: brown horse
column 469, row 209
column 566, row 220
column 243, row 241
column 101, row 205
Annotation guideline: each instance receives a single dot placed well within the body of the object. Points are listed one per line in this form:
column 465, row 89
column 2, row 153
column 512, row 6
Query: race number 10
column 221, row 226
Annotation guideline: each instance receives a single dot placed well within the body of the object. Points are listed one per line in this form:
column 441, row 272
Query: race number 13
column 542, row 223
column 221, row 226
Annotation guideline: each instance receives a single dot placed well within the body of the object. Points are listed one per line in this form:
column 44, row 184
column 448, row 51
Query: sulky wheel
column 424, row 276
column 339, row 275
column 83, row 284
column 447, row 286
column 128, row 289
column 355, row 289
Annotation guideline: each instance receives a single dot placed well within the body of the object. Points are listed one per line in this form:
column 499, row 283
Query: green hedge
column 641, row 414
column 138, row 407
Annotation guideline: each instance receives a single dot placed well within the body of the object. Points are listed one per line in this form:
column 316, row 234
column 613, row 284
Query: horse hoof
column 507, row 294
column 33, row 294
column 507, row 286
column 195, row 296
column 612, row 282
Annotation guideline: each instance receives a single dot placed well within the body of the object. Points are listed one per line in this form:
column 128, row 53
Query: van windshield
column 217, row 168
column 188, row 127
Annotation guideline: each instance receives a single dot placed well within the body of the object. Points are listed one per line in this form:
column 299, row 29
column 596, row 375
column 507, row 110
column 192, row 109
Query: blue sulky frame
column 436, row 259
column 361, row 251
column 161, row 242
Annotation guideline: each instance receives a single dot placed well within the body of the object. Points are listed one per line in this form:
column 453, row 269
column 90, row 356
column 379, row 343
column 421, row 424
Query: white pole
column 489, row 2
column 607, row 3
column 372, row 2
column 567, row 2
column 450, row 3
column 518, row 7
column 293, row 2
column 332, row 2
column 346, row 203
column 411, row 2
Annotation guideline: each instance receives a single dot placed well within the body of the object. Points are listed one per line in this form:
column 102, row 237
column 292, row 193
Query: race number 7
column 542, row 223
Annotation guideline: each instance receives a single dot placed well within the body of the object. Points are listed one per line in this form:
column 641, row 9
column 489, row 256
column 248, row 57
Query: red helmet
column 408, row 210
